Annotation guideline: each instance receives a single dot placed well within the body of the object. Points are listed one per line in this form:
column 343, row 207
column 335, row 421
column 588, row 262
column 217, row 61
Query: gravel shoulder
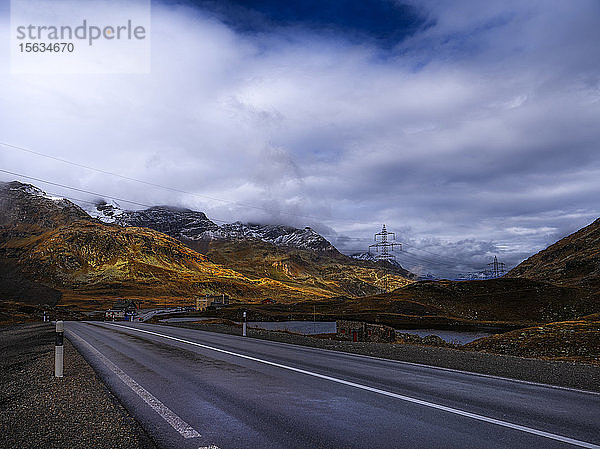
column 39, row 410
column 559, row 373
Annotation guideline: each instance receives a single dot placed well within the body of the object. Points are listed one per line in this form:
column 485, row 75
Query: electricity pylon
column 382, row 247
column 497, row 267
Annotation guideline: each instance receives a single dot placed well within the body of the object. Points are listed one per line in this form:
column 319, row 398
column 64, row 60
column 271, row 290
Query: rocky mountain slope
column 26, row 205
column 176, row 222
column 327, row 270
column 26, row 210
column 279, row 235
column 572, row 261
column 86, row 259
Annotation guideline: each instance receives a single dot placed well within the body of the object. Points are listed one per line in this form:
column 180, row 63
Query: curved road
column 195, row 389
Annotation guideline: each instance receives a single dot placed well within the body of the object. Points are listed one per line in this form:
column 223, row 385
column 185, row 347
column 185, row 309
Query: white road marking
column 455, row 411
column 209, row 447
column 165, row 412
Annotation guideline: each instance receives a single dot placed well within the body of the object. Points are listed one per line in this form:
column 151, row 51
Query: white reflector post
column 58, row 349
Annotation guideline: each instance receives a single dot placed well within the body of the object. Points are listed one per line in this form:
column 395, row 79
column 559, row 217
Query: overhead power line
column 137, row 203
column 406, row 260
column 452, row 260
column 439, row 266
column 432, row 253
column 100, row 195
column 74, row 188
column 173, row 189
column 423, row 259
column 94, row 203
column 177, row 190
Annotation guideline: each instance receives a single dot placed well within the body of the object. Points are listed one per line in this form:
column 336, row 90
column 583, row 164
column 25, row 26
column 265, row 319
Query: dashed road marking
column 433, row 405
column 165, row 412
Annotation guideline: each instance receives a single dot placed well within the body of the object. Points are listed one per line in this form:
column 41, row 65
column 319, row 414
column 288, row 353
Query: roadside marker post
column 58, row 349
column 244, row 326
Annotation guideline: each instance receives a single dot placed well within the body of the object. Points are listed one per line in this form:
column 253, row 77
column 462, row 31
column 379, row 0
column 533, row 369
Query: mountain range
column 188, row 225
column 167, row 254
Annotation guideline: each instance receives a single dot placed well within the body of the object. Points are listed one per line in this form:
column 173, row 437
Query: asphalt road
column 195, row 389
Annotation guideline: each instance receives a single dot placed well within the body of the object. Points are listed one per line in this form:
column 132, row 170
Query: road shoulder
column 39, row 410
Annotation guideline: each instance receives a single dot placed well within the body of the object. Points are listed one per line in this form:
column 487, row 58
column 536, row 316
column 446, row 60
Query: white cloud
column 468, row 131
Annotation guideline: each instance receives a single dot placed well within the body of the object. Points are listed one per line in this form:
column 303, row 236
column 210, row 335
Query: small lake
column 328, row 327
column 460, row 338
column 300, row 327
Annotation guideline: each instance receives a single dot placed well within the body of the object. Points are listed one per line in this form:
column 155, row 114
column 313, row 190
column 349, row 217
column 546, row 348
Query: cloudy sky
column 470, row 128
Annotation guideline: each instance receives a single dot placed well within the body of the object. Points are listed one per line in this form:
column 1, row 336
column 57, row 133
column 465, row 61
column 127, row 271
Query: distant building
column 268, row 301
column 122, row 309
column 359, row 331
column 201, row 304
column 212, row 301
column 216, row 302
column 113, row 314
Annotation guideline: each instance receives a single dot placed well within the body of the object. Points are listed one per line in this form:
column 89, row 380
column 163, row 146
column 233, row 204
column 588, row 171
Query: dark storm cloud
column 383, row 21
column 468, row 127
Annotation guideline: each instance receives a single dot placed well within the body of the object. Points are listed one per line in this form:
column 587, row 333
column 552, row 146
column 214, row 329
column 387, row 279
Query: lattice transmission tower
column 497, row 268
column 382, row 247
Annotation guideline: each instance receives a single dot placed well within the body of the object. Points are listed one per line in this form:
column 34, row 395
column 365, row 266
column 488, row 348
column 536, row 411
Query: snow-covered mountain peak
column 281, row 235
column 187, row 224
column 106, row 211
column 36, row 191
column 27, row 188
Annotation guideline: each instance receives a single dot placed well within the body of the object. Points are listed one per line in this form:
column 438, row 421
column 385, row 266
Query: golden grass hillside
column 572, row 261
column 335, row 273
column 509, row 300
column 87, row 259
